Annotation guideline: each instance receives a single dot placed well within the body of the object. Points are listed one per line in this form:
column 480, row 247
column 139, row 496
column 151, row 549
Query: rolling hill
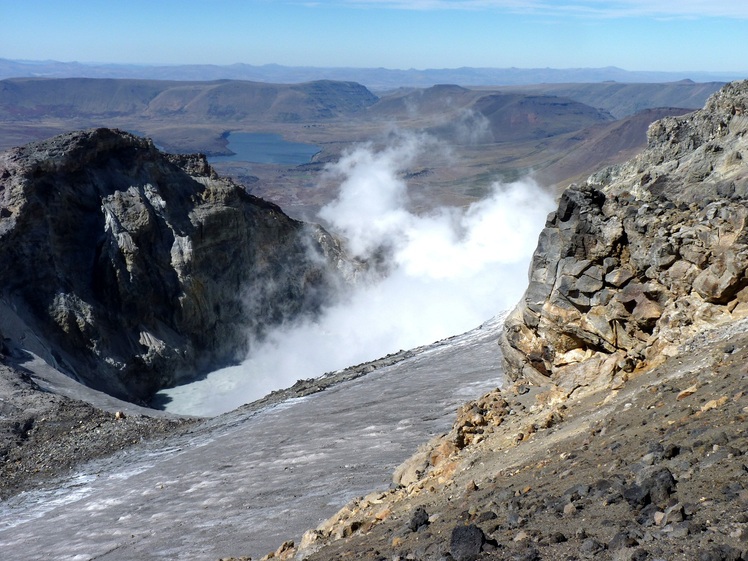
column 36, row 98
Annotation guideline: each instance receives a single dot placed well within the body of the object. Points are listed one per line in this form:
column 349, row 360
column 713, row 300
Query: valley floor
column 652, row 469
column 240, row 483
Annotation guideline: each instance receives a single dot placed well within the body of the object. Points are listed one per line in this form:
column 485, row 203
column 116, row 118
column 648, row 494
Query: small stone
column 680, row 530
column 658, row 486
column 310, row 538
column 286, row 551
column 521, row 536
column 557, row 537
column 687, row 392
column 635, row 496
column 513, row 519
column 419, row 519
column 383, row 514
column 622, row 540
column 618, row 277
column 591, row 547
column 720, row 553
column 647, row 310
column 675, row 513
column 570, row 509
column 486, row 516
column 646, row 515
column 714, row 404
column 740, row 534
column 659, row 518
column 648, row 459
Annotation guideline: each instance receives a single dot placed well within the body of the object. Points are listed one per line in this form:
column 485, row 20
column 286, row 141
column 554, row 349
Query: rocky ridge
column 641, row 256
column 85, row 98
column 623, row 434
column 135, row 270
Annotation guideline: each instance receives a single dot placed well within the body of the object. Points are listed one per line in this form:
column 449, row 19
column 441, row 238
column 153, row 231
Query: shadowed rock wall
column 141, row 269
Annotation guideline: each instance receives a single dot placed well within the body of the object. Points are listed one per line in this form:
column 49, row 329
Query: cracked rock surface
column 641, row 256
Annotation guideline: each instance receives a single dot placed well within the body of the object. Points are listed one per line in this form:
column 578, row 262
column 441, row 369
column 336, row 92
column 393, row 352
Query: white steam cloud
column 448, row 272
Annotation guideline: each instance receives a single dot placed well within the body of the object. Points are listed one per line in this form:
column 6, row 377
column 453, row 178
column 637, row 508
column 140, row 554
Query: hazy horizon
column 332, row 67
column 100, row 64
column 656, row 35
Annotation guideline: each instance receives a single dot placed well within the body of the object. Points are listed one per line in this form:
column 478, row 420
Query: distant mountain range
column 558, row 132
column 373, row 78
column 24, row 99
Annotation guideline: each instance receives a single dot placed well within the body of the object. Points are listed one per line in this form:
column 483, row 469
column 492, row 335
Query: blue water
column 266, row 148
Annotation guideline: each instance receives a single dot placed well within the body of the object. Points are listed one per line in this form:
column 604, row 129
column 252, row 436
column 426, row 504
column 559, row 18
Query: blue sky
column 668, row 35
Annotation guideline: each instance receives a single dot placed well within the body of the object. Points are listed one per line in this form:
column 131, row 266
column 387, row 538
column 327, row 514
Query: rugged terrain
column 45, row 434
column 640, row 256
column 624, row 433
column 242, row 482
column 620, row 434
column 653, row 469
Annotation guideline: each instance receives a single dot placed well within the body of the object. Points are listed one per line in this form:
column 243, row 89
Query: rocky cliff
column 138, row 269
column 641, row 256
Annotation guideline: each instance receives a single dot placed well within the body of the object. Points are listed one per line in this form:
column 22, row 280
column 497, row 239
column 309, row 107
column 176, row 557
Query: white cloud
column 737, row 9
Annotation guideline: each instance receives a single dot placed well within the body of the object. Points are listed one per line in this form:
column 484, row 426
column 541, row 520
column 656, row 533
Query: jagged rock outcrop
column 641, row 256
column 140, row 269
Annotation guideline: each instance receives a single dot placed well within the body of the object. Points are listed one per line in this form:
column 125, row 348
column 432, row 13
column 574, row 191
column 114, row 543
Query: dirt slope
column 654, row 469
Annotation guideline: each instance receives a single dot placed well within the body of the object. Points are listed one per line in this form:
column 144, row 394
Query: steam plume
column 448, row 272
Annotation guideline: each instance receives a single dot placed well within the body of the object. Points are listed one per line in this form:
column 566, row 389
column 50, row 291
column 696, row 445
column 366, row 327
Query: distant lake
column 266, row 148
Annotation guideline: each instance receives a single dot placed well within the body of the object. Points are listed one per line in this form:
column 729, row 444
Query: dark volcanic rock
column 641, row 256
column 419, row 519
column 466, row 542
column 142, row 270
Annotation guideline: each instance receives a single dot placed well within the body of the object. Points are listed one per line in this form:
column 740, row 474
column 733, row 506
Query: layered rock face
column 141, row 270
column 641, row 256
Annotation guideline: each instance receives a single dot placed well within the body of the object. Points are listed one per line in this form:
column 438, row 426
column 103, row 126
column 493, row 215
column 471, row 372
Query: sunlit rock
column 640, row 256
